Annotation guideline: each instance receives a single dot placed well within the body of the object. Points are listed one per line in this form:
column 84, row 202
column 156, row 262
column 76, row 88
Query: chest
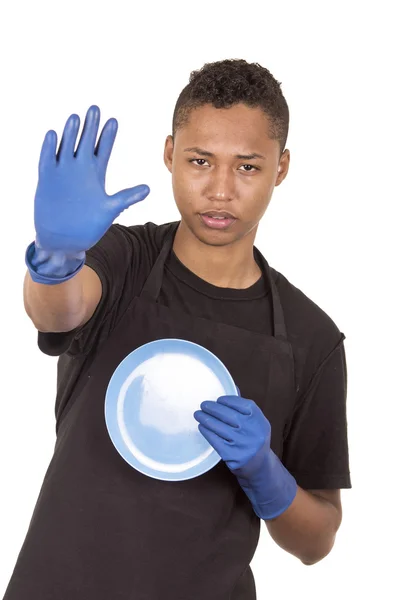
column 249, row 313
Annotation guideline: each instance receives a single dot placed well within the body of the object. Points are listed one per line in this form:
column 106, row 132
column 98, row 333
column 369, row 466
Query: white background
column 329, row 229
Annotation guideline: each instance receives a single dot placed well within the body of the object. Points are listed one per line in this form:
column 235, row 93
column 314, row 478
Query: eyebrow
column 210, row 154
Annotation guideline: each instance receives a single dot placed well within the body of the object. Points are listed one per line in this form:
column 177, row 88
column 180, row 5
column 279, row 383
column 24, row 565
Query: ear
column 168, row 152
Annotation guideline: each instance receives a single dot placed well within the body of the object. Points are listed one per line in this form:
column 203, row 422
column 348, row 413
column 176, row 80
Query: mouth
column 217, row 219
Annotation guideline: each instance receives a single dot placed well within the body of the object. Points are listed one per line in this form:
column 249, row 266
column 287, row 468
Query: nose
column 221, row 185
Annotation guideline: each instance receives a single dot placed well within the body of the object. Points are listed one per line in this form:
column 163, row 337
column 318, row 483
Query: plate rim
column 139, row 468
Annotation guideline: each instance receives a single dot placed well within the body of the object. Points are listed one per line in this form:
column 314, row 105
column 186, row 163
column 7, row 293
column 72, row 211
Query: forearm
column 55, row 308
column 307, row 529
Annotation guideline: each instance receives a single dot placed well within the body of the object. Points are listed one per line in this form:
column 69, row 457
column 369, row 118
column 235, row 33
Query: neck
column 230, row 266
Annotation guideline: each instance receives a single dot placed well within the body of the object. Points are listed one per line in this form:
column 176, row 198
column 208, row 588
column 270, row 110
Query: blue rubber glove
column 72, row 210
column 240, row 433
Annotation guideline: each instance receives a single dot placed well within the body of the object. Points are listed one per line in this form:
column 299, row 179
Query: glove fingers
column 48, row 151
column 215, row 425
column 220, row 411
column 90, row 132
column 214, row 440
column 238, row 403
column 126, row 198
column 69, row 137
column 105, row 143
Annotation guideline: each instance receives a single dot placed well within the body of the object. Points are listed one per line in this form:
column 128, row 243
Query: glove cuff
column 270, row 488
column 52, row 268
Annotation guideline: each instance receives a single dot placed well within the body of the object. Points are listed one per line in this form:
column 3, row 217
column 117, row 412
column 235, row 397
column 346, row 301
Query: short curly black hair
column 233, row 81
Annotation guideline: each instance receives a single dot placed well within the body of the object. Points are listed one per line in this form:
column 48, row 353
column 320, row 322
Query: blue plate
column 149, row 408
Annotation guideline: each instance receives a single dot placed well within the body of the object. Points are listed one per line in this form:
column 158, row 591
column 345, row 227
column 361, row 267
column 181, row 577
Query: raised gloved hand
column 72, row 211
column 240, row 433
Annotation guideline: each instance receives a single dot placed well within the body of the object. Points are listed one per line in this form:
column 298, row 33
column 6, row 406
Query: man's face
column 236, row 190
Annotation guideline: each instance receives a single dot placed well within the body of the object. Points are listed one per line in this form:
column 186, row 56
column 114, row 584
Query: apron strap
column 280, row 331
column 152, row 287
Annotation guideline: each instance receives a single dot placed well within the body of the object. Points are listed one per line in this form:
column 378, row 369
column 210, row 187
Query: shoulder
column 127, row 248
column 311, row 331
column 148, row 236
column 302, row 313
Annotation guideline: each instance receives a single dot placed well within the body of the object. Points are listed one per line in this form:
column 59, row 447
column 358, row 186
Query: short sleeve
column 115, row 259
column 316, row 447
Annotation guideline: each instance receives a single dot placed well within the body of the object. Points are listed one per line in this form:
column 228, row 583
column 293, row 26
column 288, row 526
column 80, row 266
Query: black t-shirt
column 316, row 449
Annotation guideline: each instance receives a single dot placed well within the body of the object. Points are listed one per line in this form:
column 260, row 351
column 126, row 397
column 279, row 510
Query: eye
column 251, row 167
column 196, row 159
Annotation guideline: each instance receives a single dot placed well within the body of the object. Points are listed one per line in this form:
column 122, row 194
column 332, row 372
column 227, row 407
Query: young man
column 96, row 291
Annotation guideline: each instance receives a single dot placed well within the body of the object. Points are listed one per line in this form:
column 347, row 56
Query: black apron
column 103, row 531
